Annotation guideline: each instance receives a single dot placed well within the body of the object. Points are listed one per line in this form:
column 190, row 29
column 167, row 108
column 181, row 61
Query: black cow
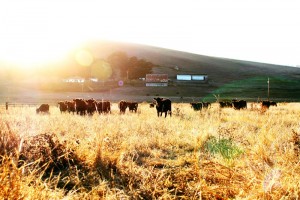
column 196, row 106
column 267, row 104
column 206, row 104
column 44, row 108
column 103, row 107
column 91, row 106
column 225, row 104
column 71, row 106
column 241, row 104
column 80, row 106
column 273, row 103
column 132, row 106
column 151, row 105
column 122, row 106
column 63, row 106
column 163, row 105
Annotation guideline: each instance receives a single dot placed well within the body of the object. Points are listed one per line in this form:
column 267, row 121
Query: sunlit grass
column 247, row 154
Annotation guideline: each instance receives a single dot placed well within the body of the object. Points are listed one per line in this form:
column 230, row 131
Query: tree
column 101, row 70
column 139, row 68
column 131, row 68
column 119, row 63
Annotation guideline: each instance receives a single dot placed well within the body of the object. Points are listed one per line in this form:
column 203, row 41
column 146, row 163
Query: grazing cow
column 267, row 104
column 80, row 106
column 225, row 104
column 91, row 106
column 122, row 106
column 273, row 103
column 44, row 108
column 63, row 106
column 151, row 105
column 163, row 105
column 132, row 106
column 71, row 106
column 196, row 106
column 103, row 107
column 241, row 104
column 206, row 104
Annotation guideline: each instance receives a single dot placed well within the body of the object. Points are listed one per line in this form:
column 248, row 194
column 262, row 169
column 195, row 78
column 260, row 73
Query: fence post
column 6, row 105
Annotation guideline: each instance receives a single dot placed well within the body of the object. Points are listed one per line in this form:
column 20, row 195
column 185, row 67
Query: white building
column 192, row 77
column 75, row 79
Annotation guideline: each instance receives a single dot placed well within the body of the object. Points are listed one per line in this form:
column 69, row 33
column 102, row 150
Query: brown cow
column 44, row 108
column 71, row 106
column 91, row 106
column 63, row 106
column 132, row 106
column 104, row 107
column 122, row 106
column 80, row 106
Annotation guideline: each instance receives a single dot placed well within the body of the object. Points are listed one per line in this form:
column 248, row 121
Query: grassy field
column 212, row 154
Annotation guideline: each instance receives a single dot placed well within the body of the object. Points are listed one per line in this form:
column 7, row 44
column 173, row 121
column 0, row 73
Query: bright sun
column 34, row 33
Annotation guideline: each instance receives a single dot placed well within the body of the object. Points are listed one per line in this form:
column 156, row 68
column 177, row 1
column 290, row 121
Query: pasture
column 210, row 154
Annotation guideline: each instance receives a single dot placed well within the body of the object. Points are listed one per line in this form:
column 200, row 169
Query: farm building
column 156, row 80
column 76, row 79
column 192, row 77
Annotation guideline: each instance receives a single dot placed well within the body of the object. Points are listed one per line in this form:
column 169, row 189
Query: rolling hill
column 227, row 78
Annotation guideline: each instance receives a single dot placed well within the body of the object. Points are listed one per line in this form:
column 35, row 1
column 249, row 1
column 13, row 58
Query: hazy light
column 84, row 58
column 101, row 70
column 32, row 31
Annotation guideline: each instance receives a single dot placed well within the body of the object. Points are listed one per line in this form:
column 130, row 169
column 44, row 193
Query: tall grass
column 212, row 154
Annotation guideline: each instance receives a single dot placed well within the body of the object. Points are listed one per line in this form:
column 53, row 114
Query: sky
column 35, row 31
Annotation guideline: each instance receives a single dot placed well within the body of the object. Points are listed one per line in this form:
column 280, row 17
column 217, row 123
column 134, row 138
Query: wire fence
column 8, row 105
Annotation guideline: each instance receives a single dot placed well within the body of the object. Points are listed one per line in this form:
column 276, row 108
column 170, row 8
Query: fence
column 8, row 105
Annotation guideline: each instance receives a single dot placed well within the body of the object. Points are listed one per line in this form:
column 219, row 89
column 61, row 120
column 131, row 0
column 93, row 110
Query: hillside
column 227, row 78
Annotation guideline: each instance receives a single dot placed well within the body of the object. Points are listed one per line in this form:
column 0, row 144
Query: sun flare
column 34, row 32
column 84, row 57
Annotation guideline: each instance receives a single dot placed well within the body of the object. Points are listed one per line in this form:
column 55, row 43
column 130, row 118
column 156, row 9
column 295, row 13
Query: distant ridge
column 227, row 78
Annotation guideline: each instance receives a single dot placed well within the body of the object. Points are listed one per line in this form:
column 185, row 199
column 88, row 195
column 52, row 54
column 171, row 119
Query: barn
column 192, row 77
column 75, row 79
column 156, row 80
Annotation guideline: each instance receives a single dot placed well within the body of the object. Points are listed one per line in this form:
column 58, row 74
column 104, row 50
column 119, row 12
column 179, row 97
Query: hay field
column 212, row 154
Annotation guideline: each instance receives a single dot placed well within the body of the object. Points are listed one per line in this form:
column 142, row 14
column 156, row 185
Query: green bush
column 222, row 146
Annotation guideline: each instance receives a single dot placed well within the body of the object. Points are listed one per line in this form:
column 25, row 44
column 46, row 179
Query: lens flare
column 84, row 58
column 101, row 70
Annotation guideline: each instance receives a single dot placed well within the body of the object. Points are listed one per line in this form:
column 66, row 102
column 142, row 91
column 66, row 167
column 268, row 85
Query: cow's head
column 158, row 99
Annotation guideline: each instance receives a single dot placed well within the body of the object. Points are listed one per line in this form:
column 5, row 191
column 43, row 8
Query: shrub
column 222, row 146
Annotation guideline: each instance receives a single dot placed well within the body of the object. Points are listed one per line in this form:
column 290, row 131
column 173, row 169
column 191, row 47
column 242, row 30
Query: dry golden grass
column 212, row 154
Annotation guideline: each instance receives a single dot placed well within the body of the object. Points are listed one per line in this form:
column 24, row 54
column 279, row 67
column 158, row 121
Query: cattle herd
column 163, row 105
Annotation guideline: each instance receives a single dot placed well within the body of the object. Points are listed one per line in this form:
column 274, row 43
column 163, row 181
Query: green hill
column 227, row 78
